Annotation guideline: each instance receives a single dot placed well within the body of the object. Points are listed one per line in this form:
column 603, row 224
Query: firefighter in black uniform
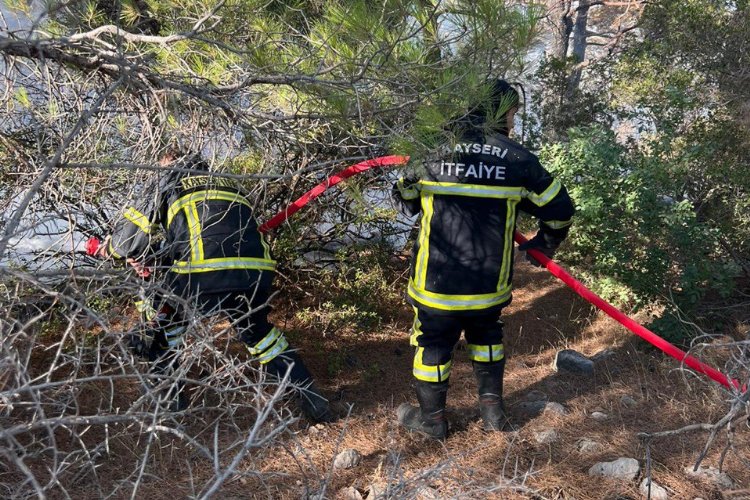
column 217, row 261
column 462, row 262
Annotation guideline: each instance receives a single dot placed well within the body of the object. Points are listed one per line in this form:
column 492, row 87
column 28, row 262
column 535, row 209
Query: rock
column 376, row 490
column 535, row 396
column 349, row 493
column 657, row 492
column 599, row 416
column 586, row 445
column 531, row 407
column 547, row 436
column 713, row 475
column 347, row 459
column 622, row 468
column 628, row 402
column 573, row 362
column 602, row 355
column 553, row 407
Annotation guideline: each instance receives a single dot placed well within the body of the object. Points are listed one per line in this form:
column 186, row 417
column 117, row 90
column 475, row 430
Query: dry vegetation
column 76, row 423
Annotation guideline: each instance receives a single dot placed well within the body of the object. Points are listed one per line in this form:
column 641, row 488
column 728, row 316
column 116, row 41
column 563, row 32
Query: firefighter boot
column 429, row 418
column 490, row 384
column 171, row 392
column 312, row 403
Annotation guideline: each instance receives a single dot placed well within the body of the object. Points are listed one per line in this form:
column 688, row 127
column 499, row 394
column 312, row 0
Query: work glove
column 406, row 196
column 543, row 242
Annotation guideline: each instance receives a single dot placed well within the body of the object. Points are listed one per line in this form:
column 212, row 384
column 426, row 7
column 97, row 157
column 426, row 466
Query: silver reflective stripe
column 174, row 336
column 490, row 301
column 277, row 349
column 431, row 376
column 474, row 190
column 549, row 193
column 558, row 224
column 266, row 342
column 482, row 352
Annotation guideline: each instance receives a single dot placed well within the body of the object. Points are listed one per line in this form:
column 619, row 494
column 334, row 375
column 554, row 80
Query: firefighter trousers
column 435, row 337
column 247, row 311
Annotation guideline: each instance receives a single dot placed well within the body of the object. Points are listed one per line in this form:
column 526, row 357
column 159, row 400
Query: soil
column 367, row 374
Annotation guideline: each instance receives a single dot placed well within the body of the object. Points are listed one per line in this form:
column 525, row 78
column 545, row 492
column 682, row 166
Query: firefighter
column 462, row 261
column 216, row 261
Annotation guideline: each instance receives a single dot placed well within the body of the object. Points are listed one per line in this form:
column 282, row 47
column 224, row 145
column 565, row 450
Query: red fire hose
column 383, row 161
column 626, row 321
column 551, row 266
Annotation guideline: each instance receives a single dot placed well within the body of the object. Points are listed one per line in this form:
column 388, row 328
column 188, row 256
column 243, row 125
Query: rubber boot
column 490, row 388
column 164, row 363
column 429, row 418
column 309, row 399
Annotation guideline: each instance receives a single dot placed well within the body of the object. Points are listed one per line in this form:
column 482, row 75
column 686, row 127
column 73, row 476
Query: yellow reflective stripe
column 485, row 353
column 416, row 328
column 510, row 225
column 407, row 193
column 549, row 193
column 138, row 219
column 420, row 273
column 475, row 190
column 266, row 249
column 146, row 308
column 174, row 336
column 458, row 302
column 430, row 373
column 222, row 264
column 266, row 341
column 195, row 229
column 202, row 196
column 113, row 252
column 277, row 349
column 558, row 224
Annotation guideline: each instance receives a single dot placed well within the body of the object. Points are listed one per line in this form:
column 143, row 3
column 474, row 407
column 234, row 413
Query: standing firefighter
column 217, row 262
column 462, row 263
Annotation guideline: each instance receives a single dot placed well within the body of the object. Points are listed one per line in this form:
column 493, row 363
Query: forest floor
column 366, row 372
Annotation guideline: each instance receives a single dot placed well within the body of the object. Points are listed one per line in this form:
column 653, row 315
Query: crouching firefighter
column 462, row 261
column 216, row 261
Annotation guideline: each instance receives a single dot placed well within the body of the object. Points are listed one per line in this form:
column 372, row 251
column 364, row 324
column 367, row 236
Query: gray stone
column 553, row 407
column 586, row 445
column 602, row 355
column 547, row 436
column 347, row 459
column 349, row 493
column 574, row 362
column 628, row 402
column 713, row 475
column 599, row 416
column 623, row 468
column 535, row 396
column 531, row 407
column 657, row 492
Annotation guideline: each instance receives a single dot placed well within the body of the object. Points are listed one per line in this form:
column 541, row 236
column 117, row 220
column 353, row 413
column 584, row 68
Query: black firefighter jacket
column 210, row 240
column 469, row 199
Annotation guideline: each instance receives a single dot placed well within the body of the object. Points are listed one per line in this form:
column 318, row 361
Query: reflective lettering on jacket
column 469, row 202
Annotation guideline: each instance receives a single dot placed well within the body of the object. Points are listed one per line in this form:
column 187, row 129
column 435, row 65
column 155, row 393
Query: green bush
column 637, row 237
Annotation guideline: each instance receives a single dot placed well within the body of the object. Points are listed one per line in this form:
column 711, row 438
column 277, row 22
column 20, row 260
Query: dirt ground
column 368, row 374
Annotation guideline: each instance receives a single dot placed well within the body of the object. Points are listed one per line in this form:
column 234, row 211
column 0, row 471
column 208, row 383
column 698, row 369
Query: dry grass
column 370, row 378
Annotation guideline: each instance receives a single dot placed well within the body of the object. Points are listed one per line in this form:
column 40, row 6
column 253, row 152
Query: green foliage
column 638, row 237
column 357, row 294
